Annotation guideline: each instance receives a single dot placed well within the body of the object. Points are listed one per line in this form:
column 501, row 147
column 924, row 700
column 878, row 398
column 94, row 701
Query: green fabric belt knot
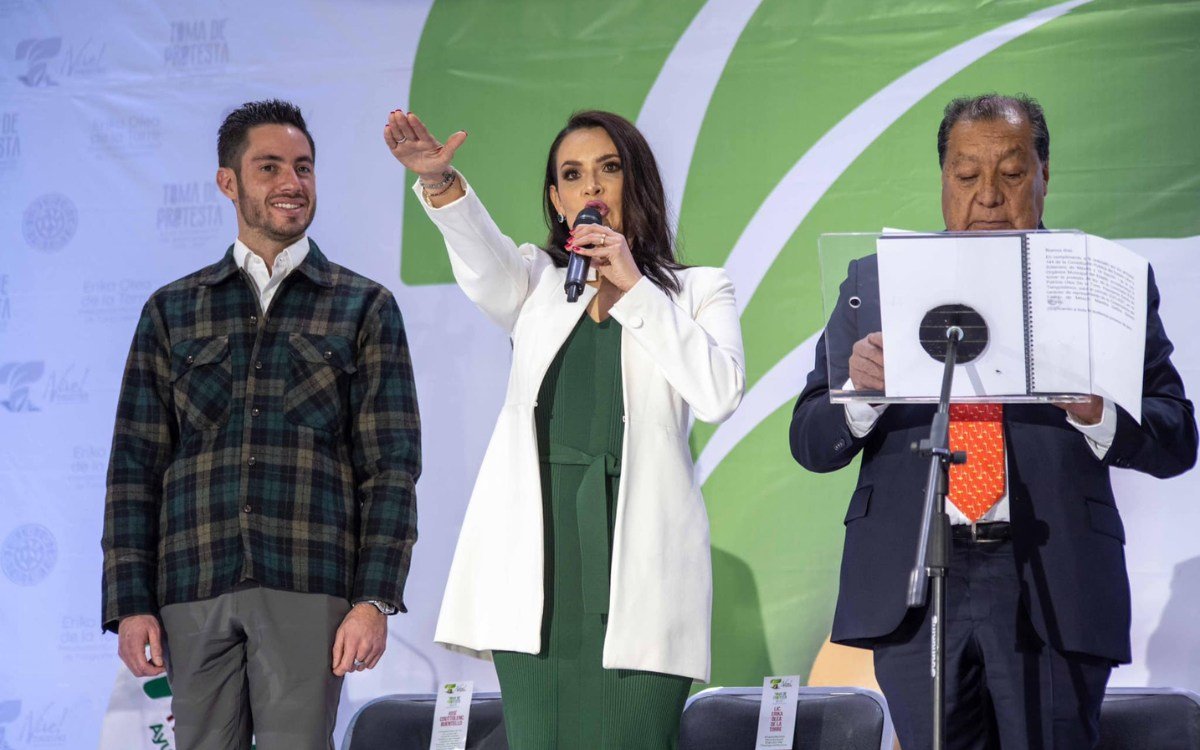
column 591, row 508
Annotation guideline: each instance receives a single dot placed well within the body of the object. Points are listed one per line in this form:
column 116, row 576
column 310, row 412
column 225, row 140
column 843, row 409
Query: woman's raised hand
column 412, row 145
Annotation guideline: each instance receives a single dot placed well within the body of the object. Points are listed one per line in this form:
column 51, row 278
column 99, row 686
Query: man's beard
column 257, row 216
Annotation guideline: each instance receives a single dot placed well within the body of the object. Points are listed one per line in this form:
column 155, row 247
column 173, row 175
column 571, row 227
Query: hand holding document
column 1065, row 314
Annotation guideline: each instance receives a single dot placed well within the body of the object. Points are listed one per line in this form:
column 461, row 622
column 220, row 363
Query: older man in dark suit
column 1038, row 608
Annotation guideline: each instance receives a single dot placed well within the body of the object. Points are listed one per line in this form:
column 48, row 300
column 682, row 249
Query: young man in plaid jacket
column 261, row 507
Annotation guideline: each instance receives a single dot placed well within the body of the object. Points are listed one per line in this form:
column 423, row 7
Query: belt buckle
column 975, row 536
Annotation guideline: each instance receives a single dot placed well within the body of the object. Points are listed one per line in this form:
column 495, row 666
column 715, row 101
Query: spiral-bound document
column 1065, row 311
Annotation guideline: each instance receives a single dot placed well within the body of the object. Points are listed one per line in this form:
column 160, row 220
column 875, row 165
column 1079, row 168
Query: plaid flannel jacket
column 283, row 448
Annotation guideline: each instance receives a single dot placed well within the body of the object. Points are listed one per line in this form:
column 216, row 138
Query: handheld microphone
column 577, row 265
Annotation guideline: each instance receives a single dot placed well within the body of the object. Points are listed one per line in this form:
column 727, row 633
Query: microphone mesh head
column 588, row 215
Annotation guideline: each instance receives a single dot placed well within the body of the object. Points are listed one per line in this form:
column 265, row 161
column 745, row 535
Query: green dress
column 562, row 698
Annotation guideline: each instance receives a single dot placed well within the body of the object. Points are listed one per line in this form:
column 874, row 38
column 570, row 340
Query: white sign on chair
column 777, row 713
column 451, row 716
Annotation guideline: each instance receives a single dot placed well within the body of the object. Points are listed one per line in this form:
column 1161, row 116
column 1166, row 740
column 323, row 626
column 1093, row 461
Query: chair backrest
column 1159, row 718
column 826, row 719
column 405, row 722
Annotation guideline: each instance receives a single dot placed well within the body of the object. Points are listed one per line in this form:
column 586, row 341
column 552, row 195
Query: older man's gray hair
column 996, row 107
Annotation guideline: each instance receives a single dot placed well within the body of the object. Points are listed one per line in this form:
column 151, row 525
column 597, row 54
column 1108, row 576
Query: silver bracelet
column 438, row 188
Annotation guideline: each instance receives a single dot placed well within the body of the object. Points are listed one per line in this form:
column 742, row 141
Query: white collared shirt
column 268, row 281
column 861, row 418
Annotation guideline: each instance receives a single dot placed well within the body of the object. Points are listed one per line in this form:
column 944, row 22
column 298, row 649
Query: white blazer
column 680, row 356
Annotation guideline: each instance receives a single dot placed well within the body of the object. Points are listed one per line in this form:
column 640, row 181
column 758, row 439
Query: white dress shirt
column 266, row 280
column 861, row 418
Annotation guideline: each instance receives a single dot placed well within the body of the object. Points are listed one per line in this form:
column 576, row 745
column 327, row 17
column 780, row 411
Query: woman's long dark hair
column 643, row 204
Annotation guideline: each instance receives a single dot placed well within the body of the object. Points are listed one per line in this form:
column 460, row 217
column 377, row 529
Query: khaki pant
column 254, row 661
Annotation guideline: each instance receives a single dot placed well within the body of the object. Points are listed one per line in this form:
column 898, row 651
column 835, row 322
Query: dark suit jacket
column 1068, row 539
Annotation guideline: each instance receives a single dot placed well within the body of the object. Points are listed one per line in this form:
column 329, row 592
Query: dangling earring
column 562, row 219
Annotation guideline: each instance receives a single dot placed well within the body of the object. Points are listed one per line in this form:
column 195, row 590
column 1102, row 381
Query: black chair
column 405, row 722
column 826, row 719
column 1145, row 718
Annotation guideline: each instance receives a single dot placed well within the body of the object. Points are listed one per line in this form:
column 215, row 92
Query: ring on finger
column 603, row 240
column 401, row 139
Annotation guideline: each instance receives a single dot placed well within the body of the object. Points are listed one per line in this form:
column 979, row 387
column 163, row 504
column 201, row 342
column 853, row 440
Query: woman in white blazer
column 582, row 566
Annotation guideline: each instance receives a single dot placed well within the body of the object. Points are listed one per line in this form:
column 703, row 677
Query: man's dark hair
column 643, row 202
column 235, row 131
column 995, row 107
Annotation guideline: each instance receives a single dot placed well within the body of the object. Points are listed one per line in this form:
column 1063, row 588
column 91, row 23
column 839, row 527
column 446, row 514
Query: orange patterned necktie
column 976, row 485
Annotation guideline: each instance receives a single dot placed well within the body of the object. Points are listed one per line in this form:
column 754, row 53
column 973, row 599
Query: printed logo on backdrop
column 80, row 639
column 28, row 554
column 89, row 466
column 10, row 141
column 16, row 383
column 67, row 386
column 47, row 63
column 197, row 46
column 130, row 135
column 190, row 214
column 19, row 381
column 42, row 727
column 5, row 302
column 49, row 222
column 115, row 300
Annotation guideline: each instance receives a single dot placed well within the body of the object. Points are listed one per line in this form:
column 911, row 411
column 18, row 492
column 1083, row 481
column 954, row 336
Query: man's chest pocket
column 318, row 386
column 202, row 381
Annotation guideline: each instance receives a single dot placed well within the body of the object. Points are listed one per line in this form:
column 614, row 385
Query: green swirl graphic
column 1123, row 165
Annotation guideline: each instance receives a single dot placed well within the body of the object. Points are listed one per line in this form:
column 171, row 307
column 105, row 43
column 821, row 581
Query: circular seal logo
column 28, row 554
column 49, row 222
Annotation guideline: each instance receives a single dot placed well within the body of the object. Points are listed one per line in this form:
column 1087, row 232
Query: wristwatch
column 383, row 607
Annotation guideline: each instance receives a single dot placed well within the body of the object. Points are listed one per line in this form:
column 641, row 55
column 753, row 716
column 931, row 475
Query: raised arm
column 491, row 269
column 411, row 143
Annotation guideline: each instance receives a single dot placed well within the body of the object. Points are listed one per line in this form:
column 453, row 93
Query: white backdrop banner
column 774, row 120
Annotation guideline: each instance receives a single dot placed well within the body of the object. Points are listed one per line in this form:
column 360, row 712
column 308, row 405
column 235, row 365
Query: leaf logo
column 19, row 376
column 38, row 52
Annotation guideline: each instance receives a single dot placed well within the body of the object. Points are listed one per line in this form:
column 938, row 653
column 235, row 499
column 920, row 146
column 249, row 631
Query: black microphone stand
column 933, row 548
